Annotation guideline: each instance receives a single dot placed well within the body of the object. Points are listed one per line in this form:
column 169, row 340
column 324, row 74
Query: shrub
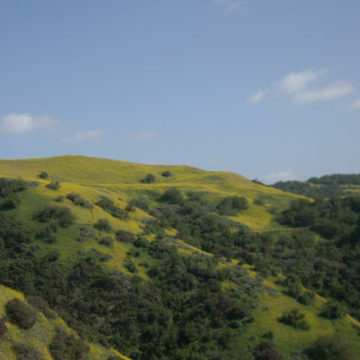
column 59, row 214
column 172, row 196
column 124, row 236
column 295, row 319
column 10, row 203
column 148, row 179
column 330, row 348
column 47, row 233
column 130, row 266
column 103, row 225
column 306, row 298
column 20, row 314
column 231, row 205
column 43, row 175
column 109, row 206
column 166, row 173
column 77, row 199
column 106, row 241
column 11, row 186
column 66, row 346
column 53, row 185
column 59, row 198
column 333, row 310
column 24, row 351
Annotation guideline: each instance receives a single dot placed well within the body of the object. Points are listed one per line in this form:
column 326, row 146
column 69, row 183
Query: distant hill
column 322, row 187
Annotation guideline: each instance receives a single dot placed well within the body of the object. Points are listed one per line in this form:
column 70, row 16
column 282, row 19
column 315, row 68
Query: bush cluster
column 20, row 313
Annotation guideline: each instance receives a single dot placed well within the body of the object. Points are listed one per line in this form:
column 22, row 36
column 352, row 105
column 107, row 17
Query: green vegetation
column 197, row 266
column 20, row 314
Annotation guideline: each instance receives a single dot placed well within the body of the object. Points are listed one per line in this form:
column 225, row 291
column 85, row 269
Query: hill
column 322, row 187
column 182, row 264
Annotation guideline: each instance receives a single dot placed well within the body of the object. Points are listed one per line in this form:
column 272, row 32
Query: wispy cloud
column 85, row 136
column 301, row 88
column 257, row 98
column 15, row 124
column 284, row 175
column 329, row 92
column 214, row 161
column 355, row 106
column 147, row 135
column 298, row 81
column 230, row 5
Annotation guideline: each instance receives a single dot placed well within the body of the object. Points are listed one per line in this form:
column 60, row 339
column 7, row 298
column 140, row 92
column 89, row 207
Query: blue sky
column 266, row 88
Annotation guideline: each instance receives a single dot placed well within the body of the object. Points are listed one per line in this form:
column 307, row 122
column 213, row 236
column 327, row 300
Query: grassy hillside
column 120, row 182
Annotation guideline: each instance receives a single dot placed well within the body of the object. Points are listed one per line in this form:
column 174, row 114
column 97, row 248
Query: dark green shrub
column 11, row 186
column 330, row 347
column 59, row 199
column 125, row 236
column 106, row 241
column 172, row 196
column 295, row 319
column 53, row 185
column 130, row 266
column 77, row 199
column 109, row 206
column 24, row 351
column 10, row 203
column 306, row 298
column 20, row 314
column 148, row 179
column 58, row 214
column 66, row 346
column 166, row 173
column 43, row 175
column 231, row 205
column 103, row 225
column 333, row 310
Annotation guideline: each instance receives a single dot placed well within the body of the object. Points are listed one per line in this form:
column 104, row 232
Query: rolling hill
column 175, row 268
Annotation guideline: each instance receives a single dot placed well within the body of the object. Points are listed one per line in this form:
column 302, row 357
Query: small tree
column 148, row 179
column 103, row 225
column 333, row 310
column 295, row 319
column 166, row 173
column 20, row 314
column 53, row 185
column 43, row 175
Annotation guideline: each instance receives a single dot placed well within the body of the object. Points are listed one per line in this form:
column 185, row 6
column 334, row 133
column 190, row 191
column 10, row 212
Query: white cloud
column 25, row 123
column 298, row 81
column 84, row 136
column 147, row 135
column 329, row 92
column 257, row 97
column 230, row 5
column 285, row 175
column 355, row 106
column 214, row 161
